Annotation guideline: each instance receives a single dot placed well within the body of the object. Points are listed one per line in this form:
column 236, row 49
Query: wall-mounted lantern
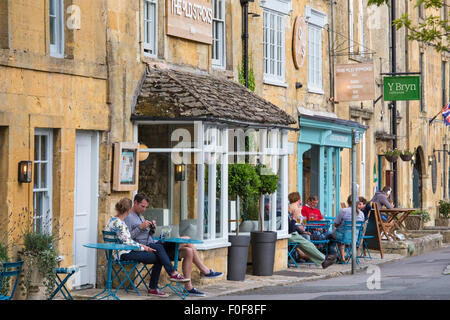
column 180, row 172
column 25, row 170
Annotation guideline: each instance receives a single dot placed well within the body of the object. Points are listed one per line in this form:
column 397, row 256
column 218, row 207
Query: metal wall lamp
column 25, row 171
column 180, row 172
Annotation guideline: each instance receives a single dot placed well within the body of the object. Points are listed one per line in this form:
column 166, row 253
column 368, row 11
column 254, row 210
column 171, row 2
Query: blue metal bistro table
column 109, row 248
column 179, row 290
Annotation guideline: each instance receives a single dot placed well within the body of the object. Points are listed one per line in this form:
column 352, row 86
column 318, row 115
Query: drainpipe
column 244, row 5
column 394, row 103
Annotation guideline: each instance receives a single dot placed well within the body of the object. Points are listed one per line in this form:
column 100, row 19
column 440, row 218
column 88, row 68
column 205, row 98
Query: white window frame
column 47, row 215
column 150, row 49
column 219, row 27
column 274, row 47
column 57, row 48
column 316, row 22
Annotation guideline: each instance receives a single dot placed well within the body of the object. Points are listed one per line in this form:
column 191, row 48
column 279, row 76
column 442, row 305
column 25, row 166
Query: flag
column 446, row 114
column 375, row 179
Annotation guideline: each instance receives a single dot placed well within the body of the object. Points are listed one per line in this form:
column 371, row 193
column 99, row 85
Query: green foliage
column 444, row 208
column 407, row 153
column 269, row 180
column 251, row 76
column 4, row 287
column 431, row 30
column 243, row 181
column 391, row 153
column 425, row 216
column 39, row 248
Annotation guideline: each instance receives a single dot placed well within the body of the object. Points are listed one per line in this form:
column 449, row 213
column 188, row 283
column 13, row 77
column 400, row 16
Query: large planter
column 442, row 222
column 263, row 252
column 237, row 257
column 414, row 222
column 36, row 288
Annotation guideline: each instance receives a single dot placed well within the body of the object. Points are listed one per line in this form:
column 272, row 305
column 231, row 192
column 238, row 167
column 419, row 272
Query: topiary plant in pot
column 243, row 182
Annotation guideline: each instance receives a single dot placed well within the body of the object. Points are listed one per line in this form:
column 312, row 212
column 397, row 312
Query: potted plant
column 263, row 242
column 406, row 155
column 243, row 181
column 444, row 212
column 4, row 287
column 40, row 261
column 416, row 220
column 392, row 155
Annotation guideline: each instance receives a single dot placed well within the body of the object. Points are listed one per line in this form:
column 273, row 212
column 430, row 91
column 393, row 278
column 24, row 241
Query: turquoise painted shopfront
column 320, row 143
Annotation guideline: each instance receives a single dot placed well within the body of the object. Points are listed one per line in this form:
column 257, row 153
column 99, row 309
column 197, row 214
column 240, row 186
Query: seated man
column 310, row 210
column 305, row 246
column 381, row 198
column 312, row 213
column 346, row 215
column 141, row 231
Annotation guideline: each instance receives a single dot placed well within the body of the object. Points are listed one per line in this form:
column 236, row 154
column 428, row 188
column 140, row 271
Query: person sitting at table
column 310, row 210
column 305, row 248
column 381, row 198
column 345, row 214
column 144, row 254
column 142, row 233
column 367, row 207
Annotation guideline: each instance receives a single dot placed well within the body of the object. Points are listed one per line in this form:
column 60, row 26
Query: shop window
column 56, row 22
column 42, row 188
column 150, row 27
column 219, row 40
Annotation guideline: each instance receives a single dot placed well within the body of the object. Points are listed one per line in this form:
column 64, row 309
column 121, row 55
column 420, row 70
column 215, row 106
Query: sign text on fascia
column 193, row 11
column 402, row 87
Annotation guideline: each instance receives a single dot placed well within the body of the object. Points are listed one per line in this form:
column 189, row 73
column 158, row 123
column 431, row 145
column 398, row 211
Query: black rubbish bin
column 263, row 252
column 237, row 257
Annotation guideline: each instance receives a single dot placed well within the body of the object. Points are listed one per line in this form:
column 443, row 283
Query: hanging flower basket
column 407, row 155
column 391, row 158
column 392, row 155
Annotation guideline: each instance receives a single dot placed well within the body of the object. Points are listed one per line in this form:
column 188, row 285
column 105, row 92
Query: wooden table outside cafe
column 395, row 221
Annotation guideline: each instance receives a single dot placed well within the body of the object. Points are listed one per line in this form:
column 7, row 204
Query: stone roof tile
column 175, row 94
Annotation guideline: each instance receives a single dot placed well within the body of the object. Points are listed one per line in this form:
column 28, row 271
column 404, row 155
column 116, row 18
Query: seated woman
column 305, row 248
column 346, row 215
column 144, row 254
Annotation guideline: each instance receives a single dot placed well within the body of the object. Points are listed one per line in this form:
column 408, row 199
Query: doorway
column 417, row 180
column 85, row 207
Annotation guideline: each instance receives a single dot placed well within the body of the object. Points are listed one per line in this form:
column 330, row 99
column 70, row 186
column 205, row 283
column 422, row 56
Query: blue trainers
column 195, row 292
column 212, row 274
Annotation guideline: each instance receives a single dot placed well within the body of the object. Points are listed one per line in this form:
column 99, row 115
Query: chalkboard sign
column 373, row 229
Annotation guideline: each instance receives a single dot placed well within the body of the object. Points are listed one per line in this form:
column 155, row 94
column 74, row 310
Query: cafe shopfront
column 190, row 128
column 319, row 163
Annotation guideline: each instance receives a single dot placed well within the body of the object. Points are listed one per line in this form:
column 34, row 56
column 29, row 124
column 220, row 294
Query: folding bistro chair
column 118, row 266
column 291, row 254
column 323, row 225
column 68, row 272
column 8, row 270
column 347, row 240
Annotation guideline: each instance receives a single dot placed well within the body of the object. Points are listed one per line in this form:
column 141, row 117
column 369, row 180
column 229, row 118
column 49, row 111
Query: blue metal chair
column 119, row 265
column 61, row 282
column 291, row 251
column 8, row 270
column 323, row 226
column 346, row 239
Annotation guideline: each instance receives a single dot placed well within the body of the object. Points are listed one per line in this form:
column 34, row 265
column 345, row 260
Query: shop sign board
column 401, row 88
column 190, row 19
column 354, row 82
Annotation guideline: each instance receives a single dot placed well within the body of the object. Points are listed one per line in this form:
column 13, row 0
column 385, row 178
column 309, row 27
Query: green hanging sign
column 401, row 88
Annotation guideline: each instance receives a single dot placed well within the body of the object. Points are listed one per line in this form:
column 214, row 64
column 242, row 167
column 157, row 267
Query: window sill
column 316, row 90
column 212, row 244
column 276, row 83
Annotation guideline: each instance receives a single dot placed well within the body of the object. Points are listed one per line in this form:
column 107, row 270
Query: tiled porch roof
column 180, row 95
